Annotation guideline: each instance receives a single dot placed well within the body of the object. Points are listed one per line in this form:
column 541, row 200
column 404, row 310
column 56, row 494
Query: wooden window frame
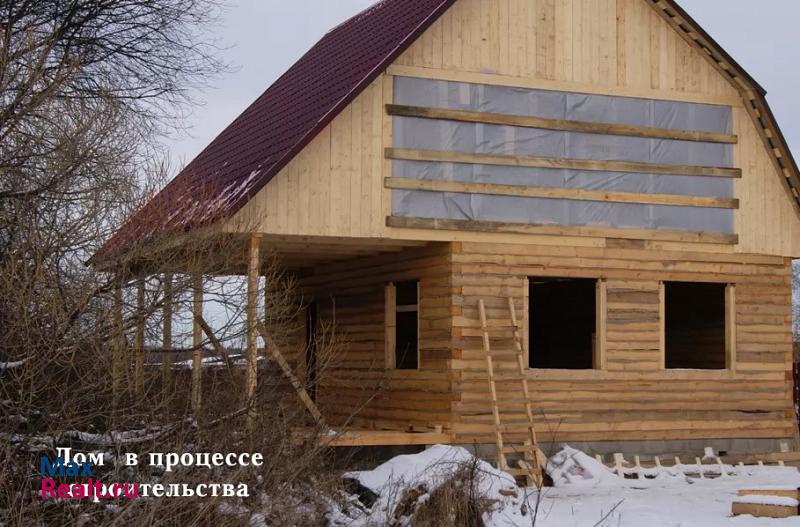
column 599, row 354
column 390, row 326
column 730, row 326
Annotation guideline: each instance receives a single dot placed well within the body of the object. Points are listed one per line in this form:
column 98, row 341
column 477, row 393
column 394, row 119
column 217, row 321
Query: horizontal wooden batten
column 560, row 163
column 560, row 193
column 558, row 230
column 559, row 124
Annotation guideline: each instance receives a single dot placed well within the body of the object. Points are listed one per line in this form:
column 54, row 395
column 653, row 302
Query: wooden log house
column 604, row 164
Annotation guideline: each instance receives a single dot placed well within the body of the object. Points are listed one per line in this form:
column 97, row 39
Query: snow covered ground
column 586, row 493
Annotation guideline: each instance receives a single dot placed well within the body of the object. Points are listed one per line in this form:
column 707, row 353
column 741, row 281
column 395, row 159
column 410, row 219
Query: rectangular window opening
column 407, row 320
column 695, row 326
column 562, row 323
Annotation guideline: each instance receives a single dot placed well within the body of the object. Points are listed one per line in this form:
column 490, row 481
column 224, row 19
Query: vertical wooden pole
column 730, row 327
column 253, row 268
column 390, row 326
column 117, row 357
column 166, row 356
column 601, row 303
column 197, row 343
column 138, row 364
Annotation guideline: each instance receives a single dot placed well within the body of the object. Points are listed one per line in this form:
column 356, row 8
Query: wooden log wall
column 357, row 381
column 632, row 399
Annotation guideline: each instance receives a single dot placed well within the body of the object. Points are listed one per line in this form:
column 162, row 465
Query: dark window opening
column 562, row 323
column 407, row 313
column 694, row 326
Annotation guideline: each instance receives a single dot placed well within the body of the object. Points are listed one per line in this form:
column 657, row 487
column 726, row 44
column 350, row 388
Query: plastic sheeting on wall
column 444, row 135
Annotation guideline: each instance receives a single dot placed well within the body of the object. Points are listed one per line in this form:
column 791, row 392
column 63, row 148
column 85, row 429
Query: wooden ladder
column 530, row 466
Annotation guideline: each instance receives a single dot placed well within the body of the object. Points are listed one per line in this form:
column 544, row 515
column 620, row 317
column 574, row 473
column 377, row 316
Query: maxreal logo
column 92, row 489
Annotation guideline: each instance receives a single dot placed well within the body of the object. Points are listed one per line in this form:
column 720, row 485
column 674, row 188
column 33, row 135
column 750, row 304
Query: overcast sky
column 265, row 37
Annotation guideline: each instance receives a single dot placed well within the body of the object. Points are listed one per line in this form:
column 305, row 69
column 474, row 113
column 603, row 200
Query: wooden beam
column 730, row 327
column 559, row 124
column 273, row 350
column 197, row 342
column 558, row 230
column 578, row 194
column 601, row 308
column 253, row 268
column 215, row 343
column 138, row 341
column 560, row 163
column 390, row 326
column 166, row 358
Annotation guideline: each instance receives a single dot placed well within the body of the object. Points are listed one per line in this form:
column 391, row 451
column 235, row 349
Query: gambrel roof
column 285, row 118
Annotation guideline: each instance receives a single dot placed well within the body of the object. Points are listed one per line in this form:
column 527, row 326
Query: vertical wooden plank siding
column 334, row 187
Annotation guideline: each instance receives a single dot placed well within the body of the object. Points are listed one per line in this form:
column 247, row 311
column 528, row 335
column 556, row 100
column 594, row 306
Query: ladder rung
column 507, row 378
column 505, row 353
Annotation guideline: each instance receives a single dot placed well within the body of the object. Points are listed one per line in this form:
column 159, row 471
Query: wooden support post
column 390, row 326
column 601, row 308
column 271, row 349
column 730, row 327
column 700, row 467
column 618, row 468
column 117, row 358
column 166, row 356
column 138, row 365
column 197, row 344
column 253, row 269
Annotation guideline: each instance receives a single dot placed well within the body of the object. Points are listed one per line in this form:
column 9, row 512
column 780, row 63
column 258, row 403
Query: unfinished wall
column 633, row 399
column 352, row 294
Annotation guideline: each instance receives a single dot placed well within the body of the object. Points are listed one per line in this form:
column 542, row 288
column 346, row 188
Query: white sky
column 265, row 37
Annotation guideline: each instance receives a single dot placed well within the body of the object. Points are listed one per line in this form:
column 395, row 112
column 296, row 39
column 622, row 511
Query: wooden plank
column 557, row 230
column 276, row 354
column 760, row 510
column 251, row 309
column 390, row 326
column 578, row 86
column 560, row 163
column 730, row 327
column 578, row 194
column 559, row 124
column 215, row 343
column 601, row 301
